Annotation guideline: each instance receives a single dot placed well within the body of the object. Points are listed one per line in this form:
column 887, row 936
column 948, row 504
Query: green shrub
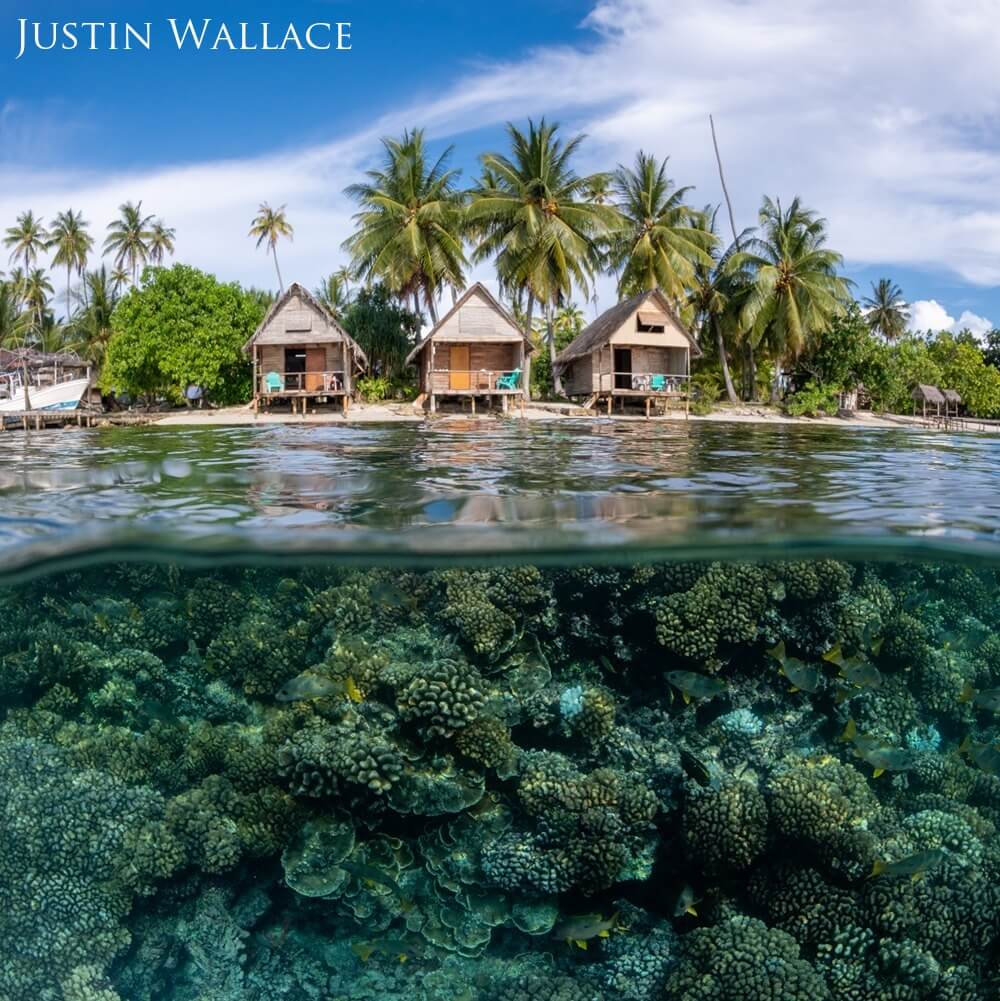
column 812, row 401
column 375, row 388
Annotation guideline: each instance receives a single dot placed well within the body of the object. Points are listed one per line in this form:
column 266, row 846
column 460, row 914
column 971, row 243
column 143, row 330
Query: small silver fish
column 580, row 930
column 989, row 699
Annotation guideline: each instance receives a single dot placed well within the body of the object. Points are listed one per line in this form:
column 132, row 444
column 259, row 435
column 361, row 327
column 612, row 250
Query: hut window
column 650, row 324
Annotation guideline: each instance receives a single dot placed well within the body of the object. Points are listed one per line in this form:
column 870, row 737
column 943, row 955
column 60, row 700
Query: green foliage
column 566, row 326
column 814, row 400
column 964, row 368
column 374, row 388
column 182, row 327
column 384, row 330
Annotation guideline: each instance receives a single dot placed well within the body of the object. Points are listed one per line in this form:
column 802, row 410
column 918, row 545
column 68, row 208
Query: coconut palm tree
column 161, row 242
column 26, row 240
column 91, row 325
column 129, row 238
column 35, row 291
column 715, row 296
column 270, row 226
column 410, row 227
column 335, row 292
column 119, row 278
column 534, row 215
column 13, row 321
column 794, row 290
column 886, row 310
column 72, row 244
column 663, row 239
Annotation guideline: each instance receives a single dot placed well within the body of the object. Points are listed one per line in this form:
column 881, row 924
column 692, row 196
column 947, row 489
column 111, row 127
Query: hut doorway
column 623, row 368
column 460, row 376
column 295, row 367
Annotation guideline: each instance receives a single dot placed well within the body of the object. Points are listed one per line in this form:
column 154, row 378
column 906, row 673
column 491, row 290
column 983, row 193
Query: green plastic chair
column 509, row 381
column 273, row 383
column 658, row 383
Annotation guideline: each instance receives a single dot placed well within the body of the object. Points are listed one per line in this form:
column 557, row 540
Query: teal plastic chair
column 658, row 383
column 509, row 381
column 273, row 383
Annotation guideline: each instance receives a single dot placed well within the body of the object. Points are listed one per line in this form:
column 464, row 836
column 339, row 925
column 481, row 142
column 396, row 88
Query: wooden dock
column 39, row 420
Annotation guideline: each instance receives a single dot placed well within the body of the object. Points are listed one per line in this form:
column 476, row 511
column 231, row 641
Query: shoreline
column 402, row 413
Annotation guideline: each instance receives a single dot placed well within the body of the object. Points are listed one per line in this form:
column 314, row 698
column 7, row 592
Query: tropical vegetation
column 772, row 309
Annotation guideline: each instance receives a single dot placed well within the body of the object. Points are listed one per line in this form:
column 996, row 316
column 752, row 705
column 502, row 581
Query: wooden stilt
column 473, row 399
column 433, row 404
column 610, row 401
column 503, row 404
column 647, row 408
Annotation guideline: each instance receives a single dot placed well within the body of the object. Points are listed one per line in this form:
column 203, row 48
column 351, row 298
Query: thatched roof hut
column 952, row 401
column 639, row 348
column 476, row 350
column 925, row 396
column 301, row 352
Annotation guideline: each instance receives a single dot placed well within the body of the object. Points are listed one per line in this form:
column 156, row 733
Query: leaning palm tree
column 886, row 310
column 161, row 241
column 129, row 237
column 72, row 244
column 410, row 227
column 270, row 226
column 794, row 290
column 663, row 239
column 534, row 215
column 714, row 299
column 26, row 240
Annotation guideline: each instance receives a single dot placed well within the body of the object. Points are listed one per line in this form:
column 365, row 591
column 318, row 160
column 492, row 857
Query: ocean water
column 473, row 714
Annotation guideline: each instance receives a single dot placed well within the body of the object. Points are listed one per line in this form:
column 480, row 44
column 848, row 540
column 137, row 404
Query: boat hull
column 62, row 396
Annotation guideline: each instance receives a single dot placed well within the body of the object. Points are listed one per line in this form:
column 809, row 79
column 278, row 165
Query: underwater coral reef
column 658, row 782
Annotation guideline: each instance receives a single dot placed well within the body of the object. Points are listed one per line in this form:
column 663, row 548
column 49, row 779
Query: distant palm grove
column 774, row 314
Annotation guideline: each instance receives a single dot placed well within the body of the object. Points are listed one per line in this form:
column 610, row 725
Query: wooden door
column 315, row 364
column 460, row 377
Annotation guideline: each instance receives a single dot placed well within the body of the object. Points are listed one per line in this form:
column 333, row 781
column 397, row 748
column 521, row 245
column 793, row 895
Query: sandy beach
column 388, row 413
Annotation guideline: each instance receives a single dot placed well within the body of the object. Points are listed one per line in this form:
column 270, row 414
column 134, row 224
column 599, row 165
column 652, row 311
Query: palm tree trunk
column 69, row 289
column 724, row 362
column 281, row 284
column 24, row 376
column 751, row 372
column 550, row 334
column 432, row 306
column 776, row 384
column 530, row 315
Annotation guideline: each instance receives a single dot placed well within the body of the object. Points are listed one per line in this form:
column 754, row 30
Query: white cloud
column 871, row 129
column 929, row 314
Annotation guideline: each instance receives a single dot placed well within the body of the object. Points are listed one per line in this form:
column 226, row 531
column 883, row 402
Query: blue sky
column 890, row 132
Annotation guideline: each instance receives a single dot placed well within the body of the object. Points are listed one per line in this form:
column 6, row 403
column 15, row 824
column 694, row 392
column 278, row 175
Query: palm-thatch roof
column 270, row 332
column 481, row 291
column 16, row 358
column 928, row 394
column 951, row 396
column 610, row 322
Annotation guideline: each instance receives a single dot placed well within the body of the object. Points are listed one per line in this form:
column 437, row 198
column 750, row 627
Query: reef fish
column 986, row 756
column 370, row 875
column 399, row 948
column 881, row 756
column 390, row 595
column 580, row 930
column 696, row 769
column 988, row 699
column 695, row 686
column 913, row 866
column 685, row 903
column 861, row 673
column 804, row 677
column 309, row 685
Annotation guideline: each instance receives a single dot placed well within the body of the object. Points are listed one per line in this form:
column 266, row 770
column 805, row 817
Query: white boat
column 62, row 396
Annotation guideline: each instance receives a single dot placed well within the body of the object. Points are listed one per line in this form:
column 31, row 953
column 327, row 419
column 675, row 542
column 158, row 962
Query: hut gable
column 645, row 319
column 477, row 317
column 297, row 318
column 951, row 396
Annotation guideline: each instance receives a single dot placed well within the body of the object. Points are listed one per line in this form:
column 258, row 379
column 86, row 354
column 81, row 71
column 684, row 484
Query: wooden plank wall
column 498, row 358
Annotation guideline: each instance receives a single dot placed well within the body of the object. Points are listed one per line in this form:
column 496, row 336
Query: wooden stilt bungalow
column 925, row 396
column 476, row 352
column 302, row 354
column 637, row 351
